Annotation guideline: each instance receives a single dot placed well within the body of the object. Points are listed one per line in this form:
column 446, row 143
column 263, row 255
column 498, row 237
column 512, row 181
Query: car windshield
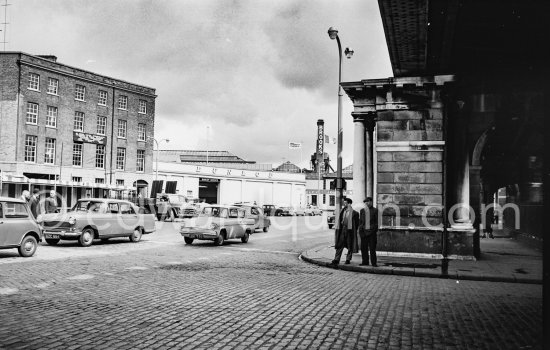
column 87, row 206
column 211, row 211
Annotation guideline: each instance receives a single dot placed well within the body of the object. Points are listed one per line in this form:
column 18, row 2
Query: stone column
column 369, row 140
column 359, row 157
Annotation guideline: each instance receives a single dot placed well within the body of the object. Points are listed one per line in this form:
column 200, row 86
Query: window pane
column 34, row 81
column 78, row 121
column 142, row 106
column 141, row 132
column 123, row 102
column 80, row 92
column 102, row 98
column 77, row 154
column 32, row 113
column 101, row 124
column 120, row 158
column 140, row 165
column 49, row 154
column 53, row 85
column 100, row 156
column 122, row 128
column 51, row 116
column 30, row 148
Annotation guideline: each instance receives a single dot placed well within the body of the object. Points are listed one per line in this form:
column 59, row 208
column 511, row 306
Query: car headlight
column 72, row 220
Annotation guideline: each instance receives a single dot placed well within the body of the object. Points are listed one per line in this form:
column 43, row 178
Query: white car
column 313, row 210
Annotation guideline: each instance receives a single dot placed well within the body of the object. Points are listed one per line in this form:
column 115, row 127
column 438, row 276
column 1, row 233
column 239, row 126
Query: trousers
column 368, row 244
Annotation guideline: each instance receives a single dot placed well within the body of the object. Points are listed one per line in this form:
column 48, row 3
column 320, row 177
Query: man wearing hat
column 34, row 202
column 368, row 228
column 348, row 220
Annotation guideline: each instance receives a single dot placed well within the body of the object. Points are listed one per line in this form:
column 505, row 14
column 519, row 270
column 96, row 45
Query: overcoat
column 342, row 238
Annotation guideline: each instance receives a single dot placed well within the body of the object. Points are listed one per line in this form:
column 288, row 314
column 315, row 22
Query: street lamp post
column 333, row 34
column 157, row 161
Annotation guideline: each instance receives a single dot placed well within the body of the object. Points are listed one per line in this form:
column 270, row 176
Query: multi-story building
column 79, row 132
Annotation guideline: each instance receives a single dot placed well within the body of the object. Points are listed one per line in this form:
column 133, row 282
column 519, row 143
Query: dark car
column 269, row 209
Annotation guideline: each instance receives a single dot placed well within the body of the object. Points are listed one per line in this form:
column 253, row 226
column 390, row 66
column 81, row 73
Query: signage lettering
column 228, row 171
column 198, row 169
column 79, row 136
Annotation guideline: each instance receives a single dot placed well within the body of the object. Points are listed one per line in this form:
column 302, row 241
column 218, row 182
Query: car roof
column 11, row 199
column 222, row 206
column 104, row 200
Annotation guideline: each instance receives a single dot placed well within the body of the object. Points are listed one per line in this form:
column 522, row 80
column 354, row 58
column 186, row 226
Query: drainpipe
column 112, row 138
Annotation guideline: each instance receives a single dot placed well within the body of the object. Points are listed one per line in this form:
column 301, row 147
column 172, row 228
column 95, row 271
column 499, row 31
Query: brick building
column 78, row 132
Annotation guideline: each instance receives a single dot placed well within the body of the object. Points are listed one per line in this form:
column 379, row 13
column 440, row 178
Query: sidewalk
column 503, row 259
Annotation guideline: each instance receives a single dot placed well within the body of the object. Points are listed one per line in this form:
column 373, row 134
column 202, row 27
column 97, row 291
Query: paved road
column 161, row 294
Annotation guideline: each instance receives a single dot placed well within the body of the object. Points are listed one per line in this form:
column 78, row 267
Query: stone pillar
column 359, row 157
column 369, row 126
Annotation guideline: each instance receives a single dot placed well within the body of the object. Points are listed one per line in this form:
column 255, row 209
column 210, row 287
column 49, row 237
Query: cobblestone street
column 163, row 294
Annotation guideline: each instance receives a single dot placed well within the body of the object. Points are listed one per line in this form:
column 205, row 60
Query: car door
column 113, row 221
column 233, row 227
column 255, row 214
column 129, row 217
column 14, row 223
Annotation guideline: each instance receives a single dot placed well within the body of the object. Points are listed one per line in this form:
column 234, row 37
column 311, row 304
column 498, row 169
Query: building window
column 78, row 121
column 143, row 106
column 99, row 156
column 119, row 182
column 77, row 155
column 122, row 102
column 32, row 113
column 53, row 85
column 34, row 82
column 331, row 200
column 99, row 180
column 77, row 178
column 122, row 128
column 101, row 124
column 30, row 148
column 140, row 165
column 49, row 154
column 80, row 92
column 120, row 158
column 102, row 98
column 51, row 117
column 314, row 199
column 141, row 132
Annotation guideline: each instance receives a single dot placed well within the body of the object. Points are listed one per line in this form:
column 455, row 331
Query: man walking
column 50, row 206
column 346, row 229
column 34, row 203
column 368, row 228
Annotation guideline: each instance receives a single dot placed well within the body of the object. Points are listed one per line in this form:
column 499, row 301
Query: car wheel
column 220, row 239
column 136, row 236
column 86, row 238
column 188, row 240
column 245, row 238
column 266, row 228
column 28, row 246
column 52, row 241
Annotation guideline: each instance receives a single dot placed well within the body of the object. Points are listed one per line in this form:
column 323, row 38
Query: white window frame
column 122, row 128
column 100, row 152
column 101, row 98
column 53, row 86
column 77, row 179
column 34, row 82
column 78, row 120
column 32, row 114
column 103, row 125
column 49, row 150
column 30, row 148
column 80, row 92
column 120, row 158
column 142, row 132
column 77, row 155
column 51, row 116
column 123, row 102
column 140, row 161
column 119, row 182
column 142, row 107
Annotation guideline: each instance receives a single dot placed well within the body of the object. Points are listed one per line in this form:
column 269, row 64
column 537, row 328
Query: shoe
column 333, row 264
column 348, row 262
column 363, row 264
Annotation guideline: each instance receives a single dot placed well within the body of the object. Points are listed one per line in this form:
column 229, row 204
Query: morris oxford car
column 218, row 223
column 18, row 228
column 93, row 218
column 261, row 222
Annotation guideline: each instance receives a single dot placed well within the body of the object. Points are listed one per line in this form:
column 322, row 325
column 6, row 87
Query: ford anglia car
column 18, row 229
column 218, row 223
column 93, row 218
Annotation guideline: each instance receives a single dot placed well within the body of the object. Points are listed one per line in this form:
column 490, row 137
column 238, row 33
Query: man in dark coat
column 368, row 228
column 346, row 229
column 50, row 205
column 34, row 203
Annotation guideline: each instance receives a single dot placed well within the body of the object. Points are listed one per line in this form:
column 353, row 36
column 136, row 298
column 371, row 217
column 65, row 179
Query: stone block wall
column 409, row 183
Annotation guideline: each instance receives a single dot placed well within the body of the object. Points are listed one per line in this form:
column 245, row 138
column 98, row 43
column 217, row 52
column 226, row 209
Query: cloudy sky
column 258, row 73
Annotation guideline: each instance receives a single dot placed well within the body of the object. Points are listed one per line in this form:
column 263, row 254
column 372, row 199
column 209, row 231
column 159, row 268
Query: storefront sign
column 79, row 136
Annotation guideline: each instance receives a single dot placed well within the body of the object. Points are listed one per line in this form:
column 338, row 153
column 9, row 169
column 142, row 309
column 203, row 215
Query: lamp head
column 332, row 33
column 349, row 52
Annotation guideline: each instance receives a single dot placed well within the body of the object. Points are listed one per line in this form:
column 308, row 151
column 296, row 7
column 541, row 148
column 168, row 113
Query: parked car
column 312, row 210
column 169, row 206
column 330, row 218
column 269, row 209
column 18, row 228
column 261, row 222
column 298, row 211
column 285, row 211
column 93, row 218
column 218, row 223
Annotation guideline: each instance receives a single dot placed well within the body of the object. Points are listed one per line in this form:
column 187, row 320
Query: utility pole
column 5, row 23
